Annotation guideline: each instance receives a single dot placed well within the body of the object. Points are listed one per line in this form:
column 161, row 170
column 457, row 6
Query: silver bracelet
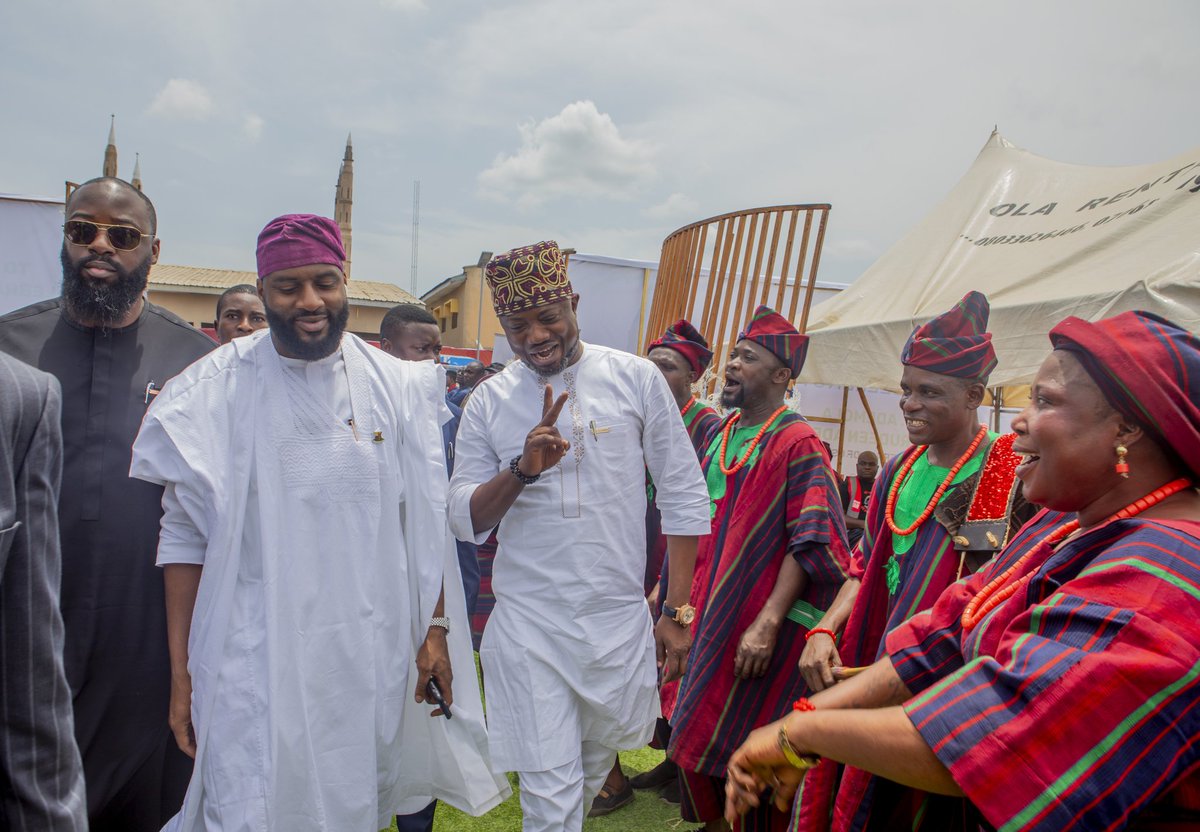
column 440, row 621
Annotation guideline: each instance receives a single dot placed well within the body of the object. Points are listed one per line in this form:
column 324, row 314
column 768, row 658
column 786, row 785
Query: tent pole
column 862, row 397
column 997, row 403
column 842, row 430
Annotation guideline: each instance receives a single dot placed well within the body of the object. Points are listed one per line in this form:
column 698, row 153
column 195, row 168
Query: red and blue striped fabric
column 931, row 565
column 1148, row 368
column 787, row 504
column 700, row 420
column 1076, row 703
column 775, row 333
column 955, row 343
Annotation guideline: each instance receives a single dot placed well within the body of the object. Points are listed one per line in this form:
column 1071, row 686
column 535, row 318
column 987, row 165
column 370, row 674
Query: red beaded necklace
column 737, row 466
column 889, row 513
column 998, row 590
column 691, row 401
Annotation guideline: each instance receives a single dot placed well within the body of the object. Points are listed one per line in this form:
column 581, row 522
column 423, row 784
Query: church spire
column 136, row 181
column 344, row 200
column 110, row 152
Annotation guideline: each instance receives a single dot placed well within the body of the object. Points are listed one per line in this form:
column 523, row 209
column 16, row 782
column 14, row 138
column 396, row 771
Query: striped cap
column 1148, row 368
column 774, row 332
column 685, row 339
column 955, row 343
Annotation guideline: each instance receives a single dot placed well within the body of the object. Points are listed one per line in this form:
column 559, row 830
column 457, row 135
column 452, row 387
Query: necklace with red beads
column 999, row 590
column 889, row 513
column 728, row 470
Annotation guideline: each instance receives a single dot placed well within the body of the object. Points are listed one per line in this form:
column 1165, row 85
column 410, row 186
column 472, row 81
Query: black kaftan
column 112, row 592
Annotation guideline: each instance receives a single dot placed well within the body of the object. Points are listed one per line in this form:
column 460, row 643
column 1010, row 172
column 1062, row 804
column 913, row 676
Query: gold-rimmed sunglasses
column 84, row 232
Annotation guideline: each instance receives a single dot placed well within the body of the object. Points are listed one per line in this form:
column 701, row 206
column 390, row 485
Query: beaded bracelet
column 816, row 630
column 785, row 745
column 515, row 468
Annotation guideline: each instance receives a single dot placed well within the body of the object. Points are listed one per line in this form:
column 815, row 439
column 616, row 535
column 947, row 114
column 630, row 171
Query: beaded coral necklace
column 727, row 470
column 889, row 513
column 999, row 590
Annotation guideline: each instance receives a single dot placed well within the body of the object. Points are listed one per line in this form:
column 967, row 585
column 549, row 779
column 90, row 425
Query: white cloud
column 577, row 153
column 183, row 99
column 404, row 5
column 252, row 126
column 674, row 206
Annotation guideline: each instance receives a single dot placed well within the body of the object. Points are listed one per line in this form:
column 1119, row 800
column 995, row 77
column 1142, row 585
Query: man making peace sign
column 568, row 653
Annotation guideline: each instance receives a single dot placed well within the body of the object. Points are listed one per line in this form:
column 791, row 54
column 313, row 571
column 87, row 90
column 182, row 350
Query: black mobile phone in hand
column 434, row 693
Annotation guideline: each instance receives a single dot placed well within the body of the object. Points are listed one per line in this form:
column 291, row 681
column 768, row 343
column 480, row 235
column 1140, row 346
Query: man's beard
column 563, row 363
column 735, row 399
column 283, row 330
column 98, row 303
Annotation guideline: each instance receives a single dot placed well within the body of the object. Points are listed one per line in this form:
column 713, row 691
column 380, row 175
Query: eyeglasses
column 83, row 233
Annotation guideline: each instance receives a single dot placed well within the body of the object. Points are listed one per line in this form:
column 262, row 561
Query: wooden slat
column 837, row 464
column 699, row 237
column 862, row 396
column 812, row 273
column 716, row 279
column 723, row 318
column 787, row 257
column 738, row 313
column 790, row 314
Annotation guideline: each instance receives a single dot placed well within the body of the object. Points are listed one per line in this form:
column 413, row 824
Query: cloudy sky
column 602, row 124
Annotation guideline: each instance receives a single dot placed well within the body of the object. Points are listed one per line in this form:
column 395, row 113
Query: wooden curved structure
column 717, row 271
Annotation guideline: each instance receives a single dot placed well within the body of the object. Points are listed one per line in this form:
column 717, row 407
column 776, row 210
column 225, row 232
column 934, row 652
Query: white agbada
column 568, row 653
column 325, row 550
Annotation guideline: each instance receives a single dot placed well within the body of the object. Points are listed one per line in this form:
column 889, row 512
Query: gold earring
column 1122, row 466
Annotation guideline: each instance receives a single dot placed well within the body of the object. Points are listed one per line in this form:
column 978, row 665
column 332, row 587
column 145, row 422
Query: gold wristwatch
column 684, row 615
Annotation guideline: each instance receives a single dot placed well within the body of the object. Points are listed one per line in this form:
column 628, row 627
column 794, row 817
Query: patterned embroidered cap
column 1148, row 368
column 685, row 339
column 774, row 332
column 528, row 277
column 955, row 343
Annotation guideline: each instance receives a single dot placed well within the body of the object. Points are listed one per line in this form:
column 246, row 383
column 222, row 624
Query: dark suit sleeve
column 41, row 777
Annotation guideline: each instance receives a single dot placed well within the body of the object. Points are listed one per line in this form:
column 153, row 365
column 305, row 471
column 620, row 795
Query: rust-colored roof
column 164, row 276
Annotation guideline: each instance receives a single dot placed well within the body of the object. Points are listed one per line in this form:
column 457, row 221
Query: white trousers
column 558, row 800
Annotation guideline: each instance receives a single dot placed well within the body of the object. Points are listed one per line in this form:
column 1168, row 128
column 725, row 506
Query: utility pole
column 415, row 229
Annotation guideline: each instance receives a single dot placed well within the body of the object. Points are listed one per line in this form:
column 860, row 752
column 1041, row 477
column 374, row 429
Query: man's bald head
column 113, row 185
column 868, row 465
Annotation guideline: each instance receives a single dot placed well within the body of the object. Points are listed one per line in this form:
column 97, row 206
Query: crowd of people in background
column 241, row 583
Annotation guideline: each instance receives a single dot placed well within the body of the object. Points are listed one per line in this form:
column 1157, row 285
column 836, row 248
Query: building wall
column 200, row 309
column 467, row 300
column 195, row 308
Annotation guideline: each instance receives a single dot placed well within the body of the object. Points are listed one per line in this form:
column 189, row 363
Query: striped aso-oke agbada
column 699, row 420
column 1076, row 703
column 925, row 570
column 903, row 576
column 784, row 504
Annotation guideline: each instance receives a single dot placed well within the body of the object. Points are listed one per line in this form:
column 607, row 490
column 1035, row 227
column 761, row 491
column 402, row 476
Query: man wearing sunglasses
column 111, row 351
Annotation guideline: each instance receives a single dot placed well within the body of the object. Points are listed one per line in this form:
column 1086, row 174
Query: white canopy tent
column 1043, row 240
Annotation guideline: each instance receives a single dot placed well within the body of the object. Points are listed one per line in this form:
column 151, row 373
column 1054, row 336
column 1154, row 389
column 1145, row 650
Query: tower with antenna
column 415, row 229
